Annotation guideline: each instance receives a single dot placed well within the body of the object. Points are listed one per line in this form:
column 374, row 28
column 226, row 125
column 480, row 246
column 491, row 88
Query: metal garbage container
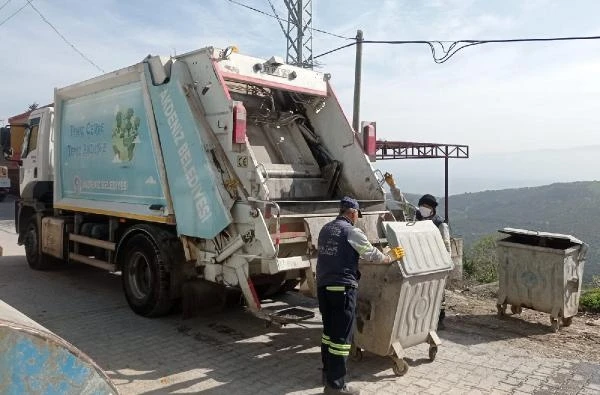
column 399, row 304
column 540, row 271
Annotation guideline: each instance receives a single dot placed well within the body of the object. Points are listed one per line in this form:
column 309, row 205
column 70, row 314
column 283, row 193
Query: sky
column 497, row 98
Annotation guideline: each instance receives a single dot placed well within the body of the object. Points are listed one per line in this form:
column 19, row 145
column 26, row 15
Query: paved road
column 233, row 353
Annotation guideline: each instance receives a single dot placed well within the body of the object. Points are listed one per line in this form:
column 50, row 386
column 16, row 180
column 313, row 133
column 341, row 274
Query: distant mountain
column 493, row 171
column 570, row 208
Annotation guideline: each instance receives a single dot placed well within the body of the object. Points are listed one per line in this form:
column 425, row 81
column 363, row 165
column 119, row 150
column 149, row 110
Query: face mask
column 425, row 211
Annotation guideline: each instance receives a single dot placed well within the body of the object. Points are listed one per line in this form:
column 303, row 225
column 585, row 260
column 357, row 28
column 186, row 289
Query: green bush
column 590, row 301
column 480, row 262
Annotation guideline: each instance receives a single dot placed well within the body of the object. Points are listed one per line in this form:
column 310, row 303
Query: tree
column 33, row 106
column 480, row 262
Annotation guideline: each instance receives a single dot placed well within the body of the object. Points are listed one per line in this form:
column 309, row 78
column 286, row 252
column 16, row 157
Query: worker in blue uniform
column 341, row 244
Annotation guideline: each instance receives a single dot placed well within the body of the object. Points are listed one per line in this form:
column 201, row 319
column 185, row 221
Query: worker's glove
column 389, row 179
column 396, row 253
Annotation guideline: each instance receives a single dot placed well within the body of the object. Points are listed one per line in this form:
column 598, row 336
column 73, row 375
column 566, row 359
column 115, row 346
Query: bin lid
column 538, row 234
column 423, row 246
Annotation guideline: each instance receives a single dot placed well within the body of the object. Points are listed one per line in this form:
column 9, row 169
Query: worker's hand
column 396, row 253
column 389, row 179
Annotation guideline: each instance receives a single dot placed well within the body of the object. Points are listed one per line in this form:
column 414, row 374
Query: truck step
column 92, row 262
column 296, row 188
column 107, row 245
column 290, row 237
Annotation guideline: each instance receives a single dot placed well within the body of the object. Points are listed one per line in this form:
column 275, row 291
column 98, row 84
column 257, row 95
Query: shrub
column 480, row 262
column 590, row 301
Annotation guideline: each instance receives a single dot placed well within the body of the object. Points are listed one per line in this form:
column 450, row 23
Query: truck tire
column 146, row 281
column 35, row 258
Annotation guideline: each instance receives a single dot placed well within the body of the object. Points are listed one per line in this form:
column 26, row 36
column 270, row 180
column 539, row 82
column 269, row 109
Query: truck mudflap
column 290, row 315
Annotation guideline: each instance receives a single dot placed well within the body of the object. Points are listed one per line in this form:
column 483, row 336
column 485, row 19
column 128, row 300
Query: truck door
column 29, row 154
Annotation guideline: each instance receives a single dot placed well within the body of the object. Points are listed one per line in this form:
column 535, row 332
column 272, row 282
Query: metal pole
column 300, row 37
column 446, row 190
column 357, row 76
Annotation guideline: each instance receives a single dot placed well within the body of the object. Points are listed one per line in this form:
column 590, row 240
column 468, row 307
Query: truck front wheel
column 145, row 277
column 31, row 242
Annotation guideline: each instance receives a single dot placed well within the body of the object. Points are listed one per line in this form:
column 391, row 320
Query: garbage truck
column 211, row 166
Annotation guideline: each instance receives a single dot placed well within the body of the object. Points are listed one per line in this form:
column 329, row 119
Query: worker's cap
column 348, row 202
column 428, row 200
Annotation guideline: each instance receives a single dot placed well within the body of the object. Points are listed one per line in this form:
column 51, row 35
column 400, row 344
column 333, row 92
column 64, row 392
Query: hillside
column 572, row 208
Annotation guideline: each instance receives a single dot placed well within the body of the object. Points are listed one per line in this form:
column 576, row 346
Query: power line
column 13, row 14
column 64, row 38
column 285, row 20
column 5, row 4
column 456, row 46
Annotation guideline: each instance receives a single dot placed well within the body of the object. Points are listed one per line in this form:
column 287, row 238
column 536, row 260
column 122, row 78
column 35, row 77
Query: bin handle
column 381, row 180
column 574, row 281
column 582, row 252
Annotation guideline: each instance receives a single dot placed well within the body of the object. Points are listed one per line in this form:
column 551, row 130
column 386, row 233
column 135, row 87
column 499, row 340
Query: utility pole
column 446, row 209
column 357, row 78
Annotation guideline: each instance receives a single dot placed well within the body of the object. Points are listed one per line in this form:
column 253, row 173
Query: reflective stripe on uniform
column 336, row 288
column 340, row 346
column 338, row 352
column 336, row 348
column 364, row 249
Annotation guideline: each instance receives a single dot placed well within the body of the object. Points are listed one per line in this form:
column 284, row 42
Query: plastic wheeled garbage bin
column 399, row 304
column 541, row 271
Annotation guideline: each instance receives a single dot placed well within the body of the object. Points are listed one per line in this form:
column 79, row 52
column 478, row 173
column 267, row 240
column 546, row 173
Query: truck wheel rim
column 31, row 244
column 140, row 276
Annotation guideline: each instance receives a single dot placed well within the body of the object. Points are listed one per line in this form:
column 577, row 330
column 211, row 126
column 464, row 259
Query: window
column 30, row 138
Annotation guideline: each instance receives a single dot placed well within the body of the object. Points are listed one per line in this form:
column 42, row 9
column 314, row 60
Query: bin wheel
column 356, row 353
column 516, row 309
column 567, row 321
column 400, row 367
column 501, row 310
column 555, row 324
column 432, row 352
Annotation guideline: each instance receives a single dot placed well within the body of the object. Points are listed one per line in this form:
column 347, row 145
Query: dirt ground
column 474, row 312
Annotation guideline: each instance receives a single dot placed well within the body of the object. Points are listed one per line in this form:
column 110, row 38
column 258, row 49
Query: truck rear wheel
column 31, row 242
column 146, row 281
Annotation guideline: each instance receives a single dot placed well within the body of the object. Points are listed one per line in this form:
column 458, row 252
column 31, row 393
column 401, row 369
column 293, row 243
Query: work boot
column 345, row 390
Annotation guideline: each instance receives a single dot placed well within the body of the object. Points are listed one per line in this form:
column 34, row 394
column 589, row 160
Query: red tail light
column 370, row 141
column 239, row 123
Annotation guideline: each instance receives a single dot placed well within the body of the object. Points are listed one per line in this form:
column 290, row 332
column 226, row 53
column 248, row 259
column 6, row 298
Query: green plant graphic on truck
column 125, row 135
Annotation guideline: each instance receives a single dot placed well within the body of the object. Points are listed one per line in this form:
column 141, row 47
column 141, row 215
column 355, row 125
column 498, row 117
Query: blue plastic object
column 34, row 360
